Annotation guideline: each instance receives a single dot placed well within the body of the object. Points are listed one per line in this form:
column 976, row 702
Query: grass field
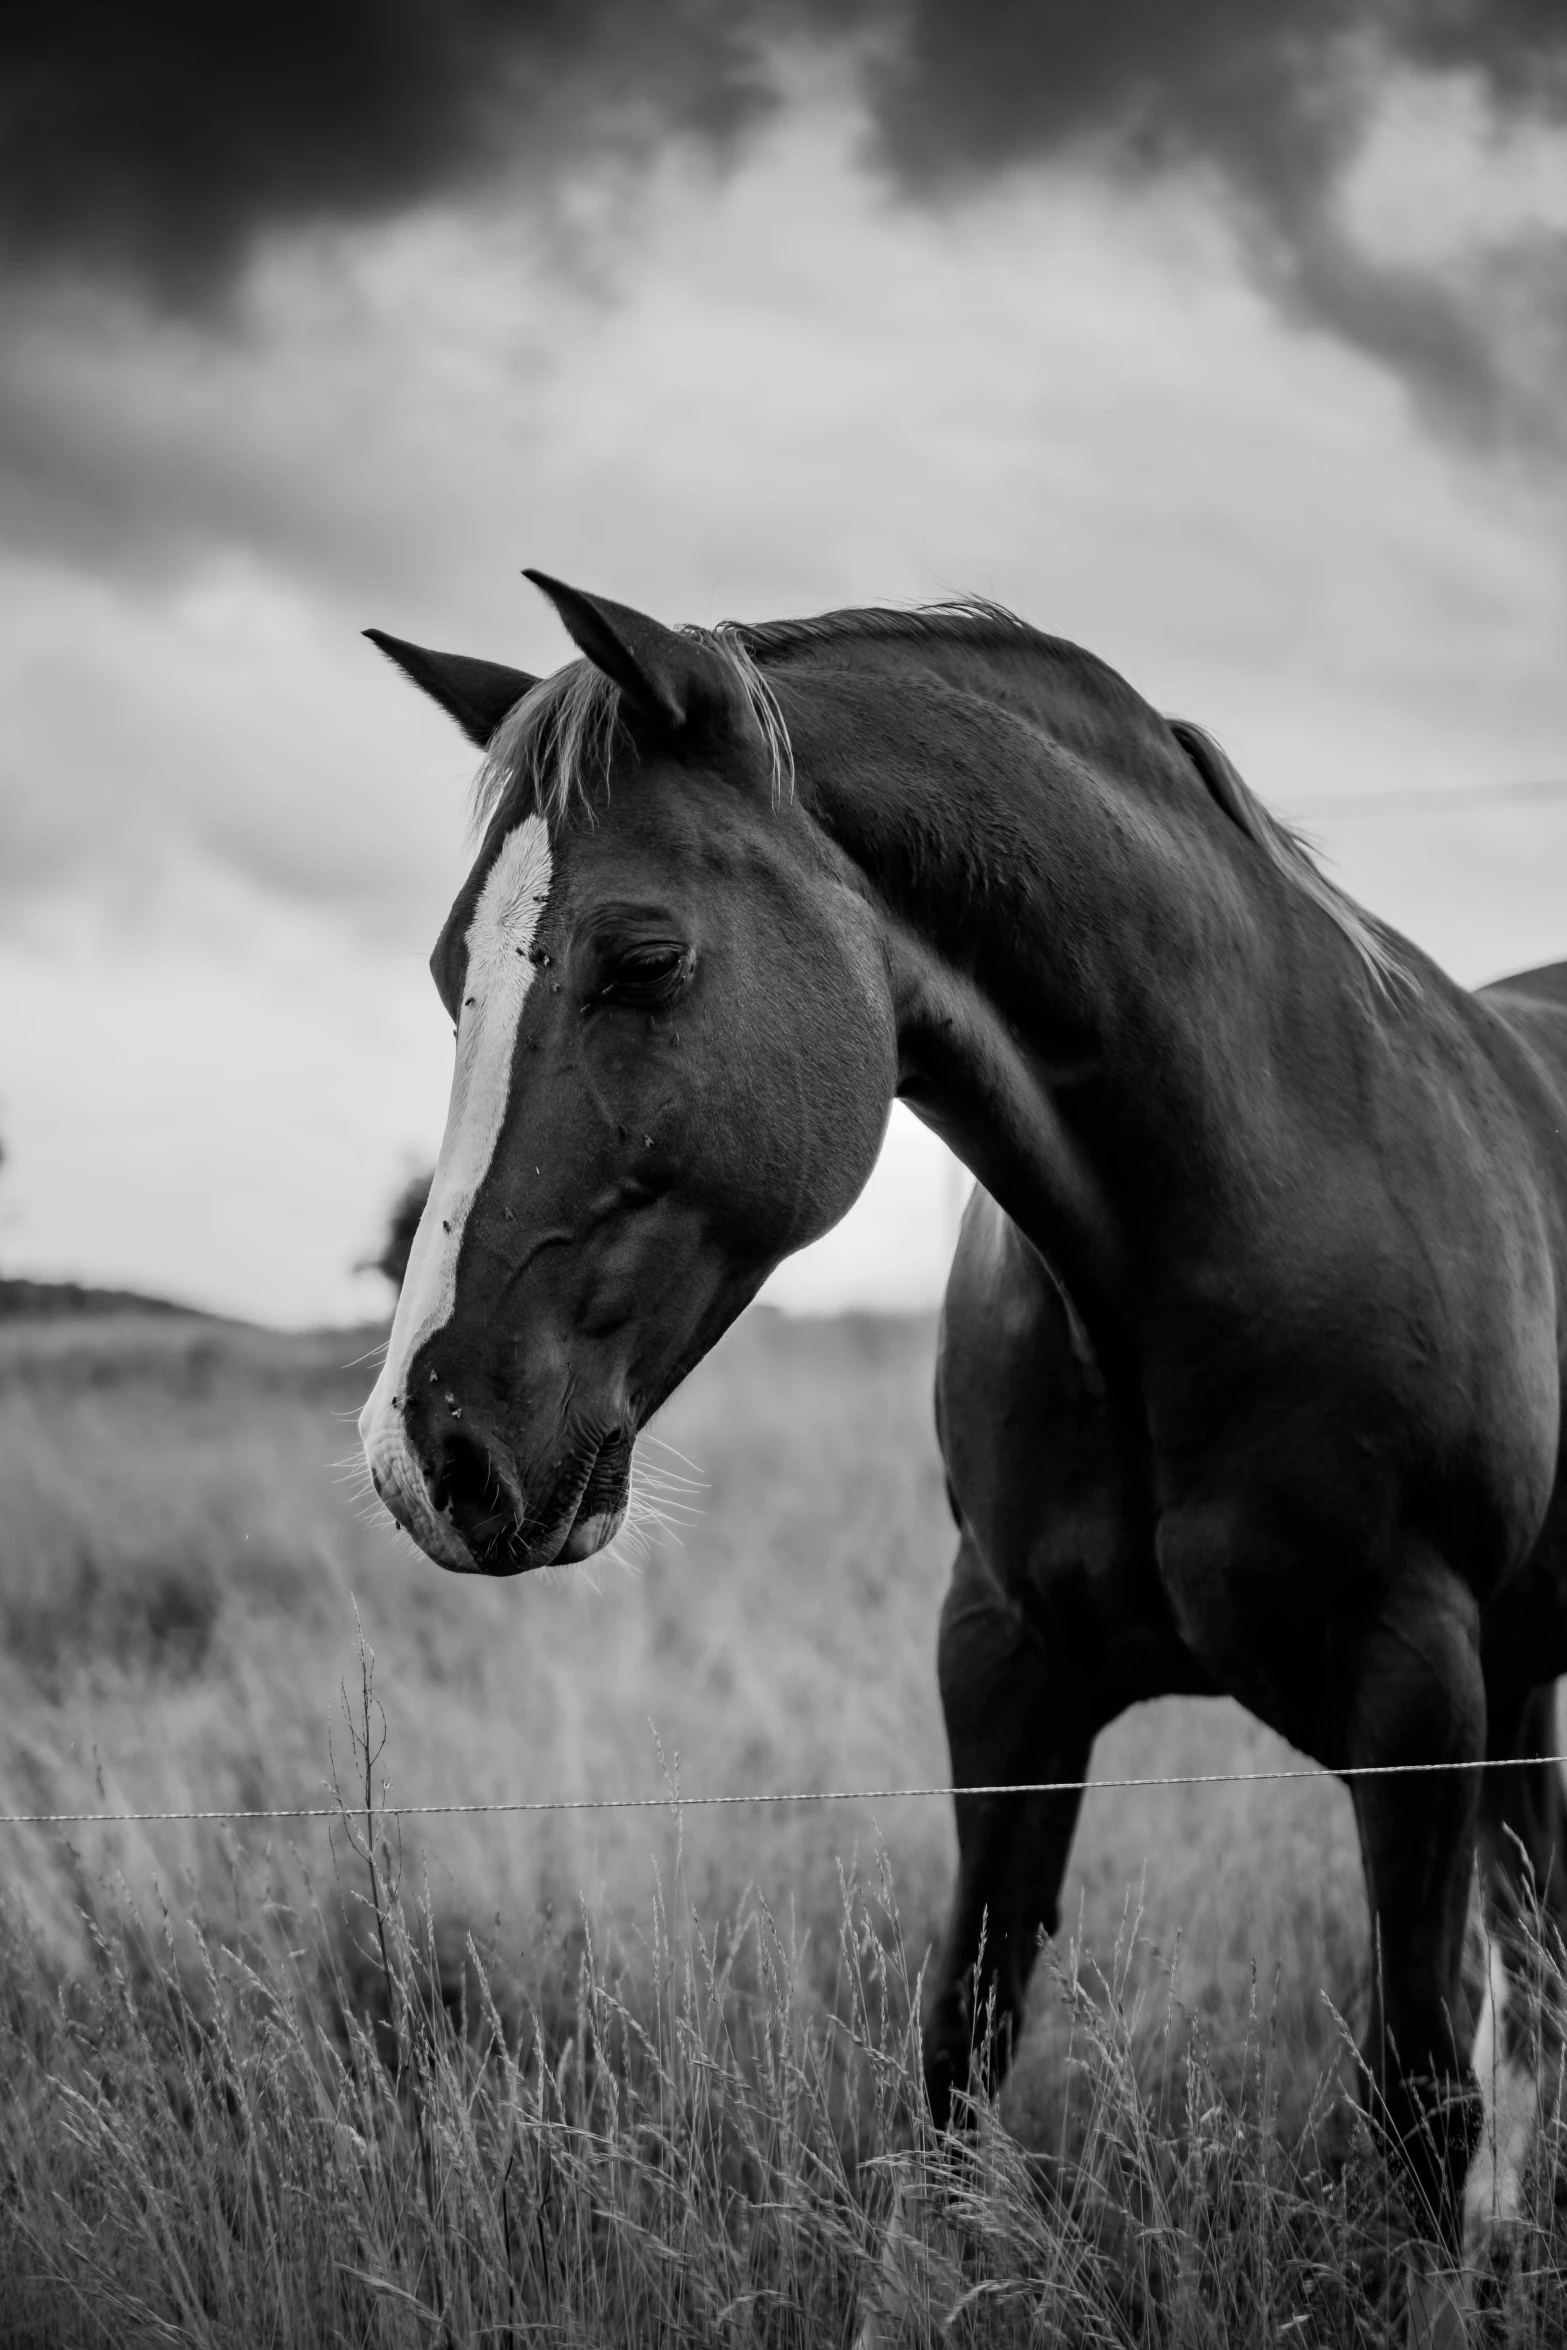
column 670, row 2091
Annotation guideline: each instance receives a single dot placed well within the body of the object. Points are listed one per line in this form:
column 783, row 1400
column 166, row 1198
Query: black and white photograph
column 783, row 1175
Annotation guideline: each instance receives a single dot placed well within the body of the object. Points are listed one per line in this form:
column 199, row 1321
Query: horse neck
column 1073, row 940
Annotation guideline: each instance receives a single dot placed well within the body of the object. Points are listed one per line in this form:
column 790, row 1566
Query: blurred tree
column 401, row 1224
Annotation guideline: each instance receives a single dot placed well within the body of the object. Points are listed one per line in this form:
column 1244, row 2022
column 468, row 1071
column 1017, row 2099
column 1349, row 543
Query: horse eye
column 652, row 972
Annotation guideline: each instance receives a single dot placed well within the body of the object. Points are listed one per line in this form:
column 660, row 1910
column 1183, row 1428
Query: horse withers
column 1253, row 1370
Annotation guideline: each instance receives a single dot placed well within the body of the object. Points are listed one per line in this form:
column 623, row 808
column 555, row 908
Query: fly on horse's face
column 675, row 1058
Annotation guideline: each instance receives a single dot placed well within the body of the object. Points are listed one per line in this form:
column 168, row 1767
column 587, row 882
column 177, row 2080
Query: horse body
column 1315, row 1229
column 1282, row 1417
column 1059, row 1614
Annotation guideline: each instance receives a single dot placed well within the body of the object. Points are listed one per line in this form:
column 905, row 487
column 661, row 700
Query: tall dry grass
column 610, row 2077
column 330, row 2129
column 179, row 1573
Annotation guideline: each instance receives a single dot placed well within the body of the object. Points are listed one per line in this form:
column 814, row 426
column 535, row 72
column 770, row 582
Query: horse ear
column 477, row 694
column 664, row 675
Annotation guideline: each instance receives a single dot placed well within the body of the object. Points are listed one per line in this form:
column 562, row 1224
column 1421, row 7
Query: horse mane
column 1288, row 852
column 561, row 736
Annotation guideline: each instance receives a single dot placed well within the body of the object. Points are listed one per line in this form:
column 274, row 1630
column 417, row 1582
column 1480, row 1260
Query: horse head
column 675, row 1058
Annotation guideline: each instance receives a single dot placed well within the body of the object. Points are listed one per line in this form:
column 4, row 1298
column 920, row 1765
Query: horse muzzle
column 455, row 1487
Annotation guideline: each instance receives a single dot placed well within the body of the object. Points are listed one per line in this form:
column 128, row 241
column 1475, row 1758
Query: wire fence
column 1423, row 800
column 674, row 1799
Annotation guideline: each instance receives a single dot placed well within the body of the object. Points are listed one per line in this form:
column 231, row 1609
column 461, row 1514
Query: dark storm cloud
column 154, row 144
column 1272, row 91
column 1275, row 98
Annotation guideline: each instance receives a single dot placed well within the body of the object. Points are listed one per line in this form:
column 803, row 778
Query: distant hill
column 50, row 1300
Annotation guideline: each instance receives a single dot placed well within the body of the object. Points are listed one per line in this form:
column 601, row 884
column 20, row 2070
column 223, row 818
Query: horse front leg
column 1013, row 1714
column 1417, row 1695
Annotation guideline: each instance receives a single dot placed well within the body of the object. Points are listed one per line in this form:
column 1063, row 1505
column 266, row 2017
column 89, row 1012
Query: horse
column 1252, row 1369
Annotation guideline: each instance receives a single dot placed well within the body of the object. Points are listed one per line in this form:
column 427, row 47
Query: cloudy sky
column 1230, row 340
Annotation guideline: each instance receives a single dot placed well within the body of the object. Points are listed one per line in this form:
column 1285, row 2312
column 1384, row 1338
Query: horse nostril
column 464, row 1482
column 467, row 1488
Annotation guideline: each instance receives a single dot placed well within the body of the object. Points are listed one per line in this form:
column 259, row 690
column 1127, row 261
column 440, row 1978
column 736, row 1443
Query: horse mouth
column 600, row 1508
column 583, row 1508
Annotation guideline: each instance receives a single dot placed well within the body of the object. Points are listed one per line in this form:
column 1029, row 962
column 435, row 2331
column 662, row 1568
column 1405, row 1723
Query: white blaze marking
column 494, row 991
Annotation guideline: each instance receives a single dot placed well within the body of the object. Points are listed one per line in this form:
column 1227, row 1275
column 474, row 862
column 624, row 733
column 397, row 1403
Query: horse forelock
column 557, row 745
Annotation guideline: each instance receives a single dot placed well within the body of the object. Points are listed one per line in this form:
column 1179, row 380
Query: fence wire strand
column 674, row 1799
